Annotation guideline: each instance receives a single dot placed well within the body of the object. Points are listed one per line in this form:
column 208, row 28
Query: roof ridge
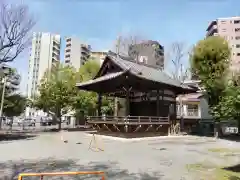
column 124, row 66
column 127, row 58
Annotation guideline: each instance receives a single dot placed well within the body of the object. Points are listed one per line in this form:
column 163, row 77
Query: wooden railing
column 129, row 119
column 192, row 112
column 189, row 113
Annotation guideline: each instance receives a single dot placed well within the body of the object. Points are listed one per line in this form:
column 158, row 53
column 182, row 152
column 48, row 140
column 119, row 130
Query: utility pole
column 4, row 81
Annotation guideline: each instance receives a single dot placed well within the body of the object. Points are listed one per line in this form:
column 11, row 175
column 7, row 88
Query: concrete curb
column 134, row 139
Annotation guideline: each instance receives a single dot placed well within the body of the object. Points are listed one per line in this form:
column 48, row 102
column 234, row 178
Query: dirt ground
column 169, row 158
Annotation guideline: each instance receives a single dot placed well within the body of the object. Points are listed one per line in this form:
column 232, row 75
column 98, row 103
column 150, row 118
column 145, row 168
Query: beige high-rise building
column 229, row 29
column 76, row 52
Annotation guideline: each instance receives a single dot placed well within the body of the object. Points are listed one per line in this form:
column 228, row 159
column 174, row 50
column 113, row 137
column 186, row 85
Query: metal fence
column 38, row 127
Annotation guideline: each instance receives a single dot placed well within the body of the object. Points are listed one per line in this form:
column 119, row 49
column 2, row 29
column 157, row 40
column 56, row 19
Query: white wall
column 39, row 61
column 204, row 109
column 75, row 53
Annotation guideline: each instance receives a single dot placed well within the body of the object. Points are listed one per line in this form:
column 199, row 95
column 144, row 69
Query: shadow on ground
column 10, row 170
column 129, row 135
column 235, row 168
column 16, row 136
column 232, row 138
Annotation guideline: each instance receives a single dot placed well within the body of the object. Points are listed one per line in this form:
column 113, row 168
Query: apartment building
column 99, row 56
column 76, row 52
column 148, row 52
column 45, row 51
column 228, row 28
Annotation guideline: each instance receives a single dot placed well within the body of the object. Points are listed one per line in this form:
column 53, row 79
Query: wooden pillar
column 158, row 103
column 127, row 101
column 127, row 90
column 99, row 104
column 181, row 115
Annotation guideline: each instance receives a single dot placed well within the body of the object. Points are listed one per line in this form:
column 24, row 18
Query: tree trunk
column 59, row 120
column 59, row 123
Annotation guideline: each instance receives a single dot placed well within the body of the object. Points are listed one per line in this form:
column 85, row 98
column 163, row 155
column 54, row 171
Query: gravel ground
column 165, row 158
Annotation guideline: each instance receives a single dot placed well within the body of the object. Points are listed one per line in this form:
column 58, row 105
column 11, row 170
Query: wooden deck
column 128, row 120
column 129, row 124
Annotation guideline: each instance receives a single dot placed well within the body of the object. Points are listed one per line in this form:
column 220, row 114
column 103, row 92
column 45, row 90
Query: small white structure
column 69, row 118
column 194, row 105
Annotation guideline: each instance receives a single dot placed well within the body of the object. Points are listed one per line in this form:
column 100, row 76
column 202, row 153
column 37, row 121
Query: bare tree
column 16, row 24
column 124, row 43
column 175, row 57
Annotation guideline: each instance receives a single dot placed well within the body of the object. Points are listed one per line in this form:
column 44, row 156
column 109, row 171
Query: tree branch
column 177, row 53
column 15, row 26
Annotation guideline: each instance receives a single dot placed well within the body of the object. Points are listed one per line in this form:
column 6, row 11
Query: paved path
column 164, row 159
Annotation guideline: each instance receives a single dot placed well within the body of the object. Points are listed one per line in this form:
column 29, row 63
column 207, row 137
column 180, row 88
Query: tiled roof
column 190, row 97
column 128, row 65
column 102, row 78
column 145, row 71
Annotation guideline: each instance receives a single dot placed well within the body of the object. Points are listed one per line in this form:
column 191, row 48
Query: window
column 68, row 40
column 223, row 22
column 237, row 45
column 224, row 30
column 237, row 22
column 238, row 54
column 237, row 29
column 68, row 50
column 192, row 110
column 143, row 59
column 67, row 56
column 68, row 45
column 237, row 37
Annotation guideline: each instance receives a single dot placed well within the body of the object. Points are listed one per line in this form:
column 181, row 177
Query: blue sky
column 99, row 22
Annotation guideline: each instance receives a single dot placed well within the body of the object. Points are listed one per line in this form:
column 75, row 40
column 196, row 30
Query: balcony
column 56, row 45
column 68, row 40
column 212, row 23
column 86, row 48
column 68, row 45
column 85, row 53
column 213, row 30
column 192, row 113
column 67, row 56
column 188, row 113
column 67, row 61
column 83, row 58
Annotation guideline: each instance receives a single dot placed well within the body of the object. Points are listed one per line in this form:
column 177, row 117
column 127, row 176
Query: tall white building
column 44, row 52
column 76, row 52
